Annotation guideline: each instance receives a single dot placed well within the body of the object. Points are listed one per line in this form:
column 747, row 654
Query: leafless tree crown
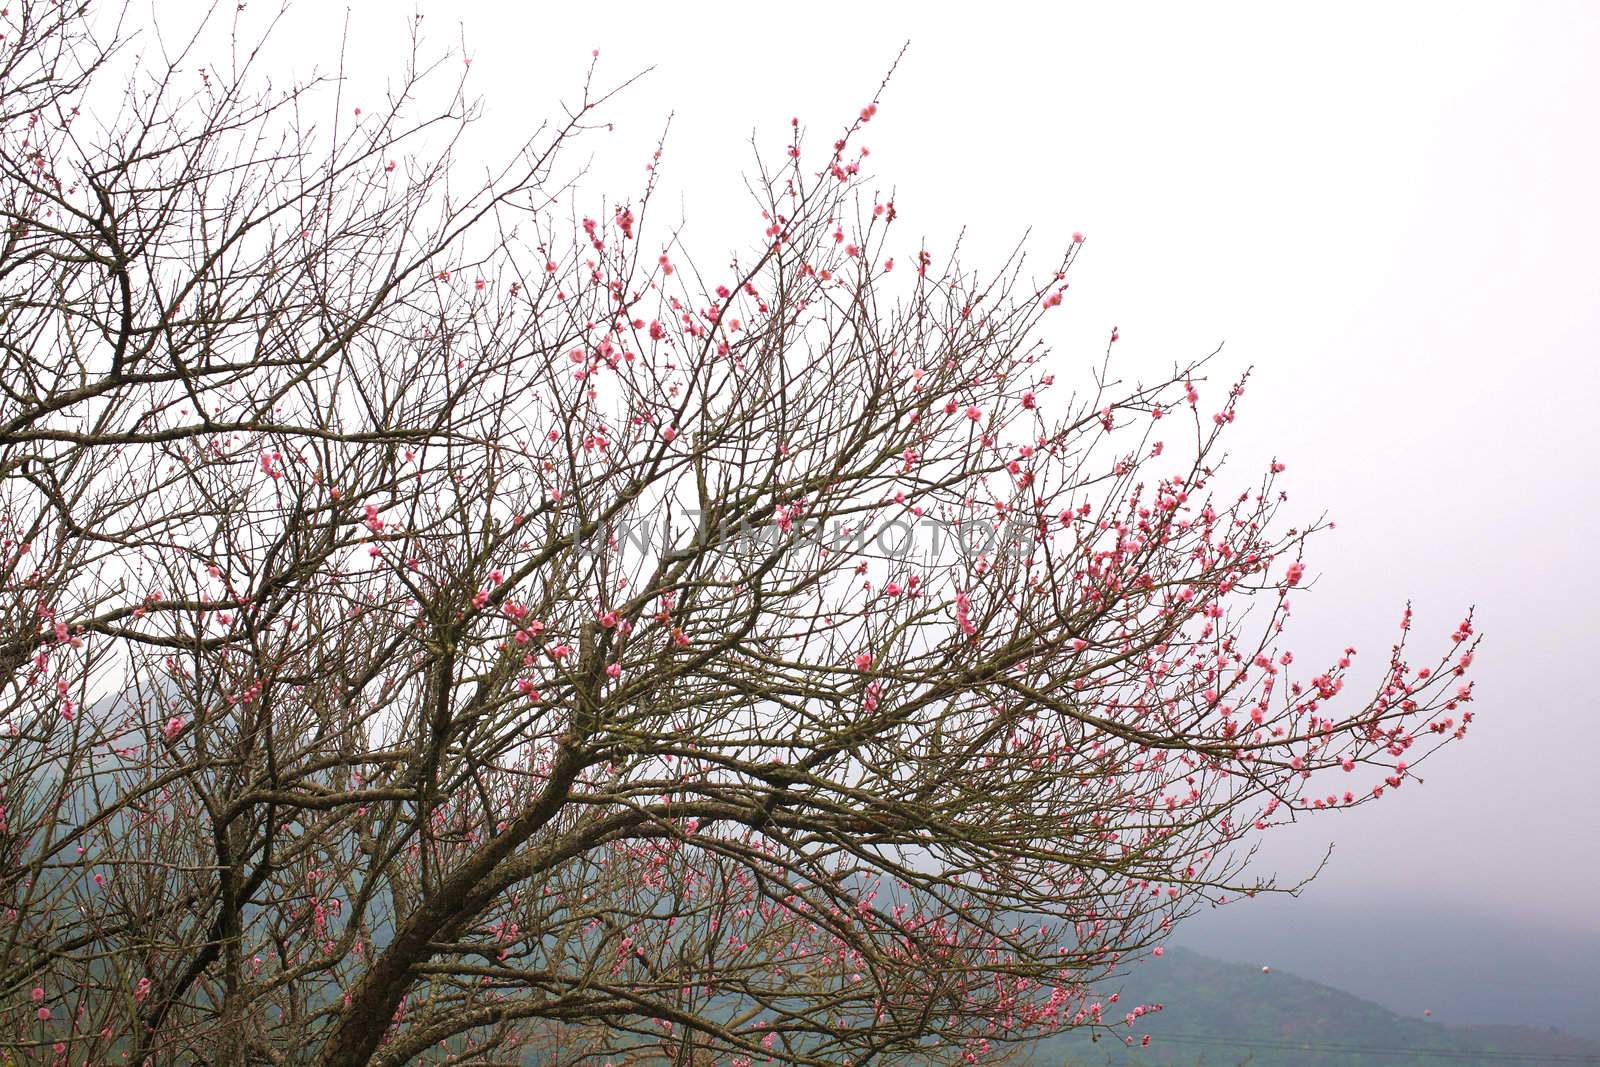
column 437, row 620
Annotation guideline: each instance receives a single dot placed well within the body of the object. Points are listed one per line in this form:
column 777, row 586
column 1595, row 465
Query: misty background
column 1389, row 211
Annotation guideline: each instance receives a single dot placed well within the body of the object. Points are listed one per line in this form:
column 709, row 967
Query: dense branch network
column 433, row 625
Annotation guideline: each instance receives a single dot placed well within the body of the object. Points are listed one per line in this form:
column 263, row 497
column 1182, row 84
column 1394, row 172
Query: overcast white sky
column 1389, row 210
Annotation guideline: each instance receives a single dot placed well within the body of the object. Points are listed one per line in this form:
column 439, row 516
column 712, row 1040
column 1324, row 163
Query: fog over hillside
column 1217, row 1013
column 1465, row 968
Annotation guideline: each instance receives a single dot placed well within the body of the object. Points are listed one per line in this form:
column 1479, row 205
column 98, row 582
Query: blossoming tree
column 433, row 625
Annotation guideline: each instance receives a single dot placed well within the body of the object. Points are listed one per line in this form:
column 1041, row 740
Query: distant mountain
column 1219, row 1014
column 1409, row 955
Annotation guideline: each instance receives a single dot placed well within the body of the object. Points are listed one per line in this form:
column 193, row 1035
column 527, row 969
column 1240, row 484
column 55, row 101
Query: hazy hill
column 1408, row 956
column 1220, row 1013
